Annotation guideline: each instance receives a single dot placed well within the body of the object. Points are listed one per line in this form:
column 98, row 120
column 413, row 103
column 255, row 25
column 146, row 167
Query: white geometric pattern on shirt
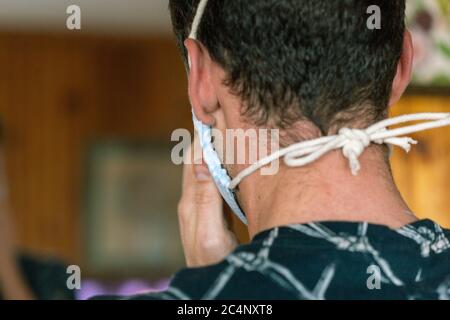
column 427, row 239
column 281, row 275
column 346, row 242
column 444, row 290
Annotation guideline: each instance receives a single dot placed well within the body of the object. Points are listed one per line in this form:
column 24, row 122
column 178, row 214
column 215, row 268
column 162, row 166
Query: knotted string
column 353, row 142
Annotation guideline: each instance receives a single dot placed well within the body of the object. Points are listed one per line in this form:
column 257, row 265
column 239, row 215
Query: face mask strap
column 196, row 23
column 211, row 158
column 198, row 19
column 353, row 142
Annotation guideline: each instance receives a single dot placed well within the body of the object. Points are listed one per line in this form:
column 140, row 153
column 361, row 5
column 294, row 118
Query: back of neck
column 326, row 191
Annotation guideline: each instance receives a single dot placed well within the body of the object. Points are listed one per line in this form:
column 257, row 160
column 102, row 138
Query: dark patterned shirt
column 45, row 277
column 331, row 260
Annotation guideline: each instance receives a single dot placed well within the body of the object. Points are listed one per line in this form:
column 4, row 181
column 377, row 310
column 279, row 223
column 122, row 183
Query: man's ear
column 404, row 70
column 201, row 90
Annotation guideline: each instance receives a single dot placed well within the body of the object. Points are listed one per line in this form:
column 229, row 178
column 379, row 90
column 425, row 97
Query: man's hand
column 204, row 231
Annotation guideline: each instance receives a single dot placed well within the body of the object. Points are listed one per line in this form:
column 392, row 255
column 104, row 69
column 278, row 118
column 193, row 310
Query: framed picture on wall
column 429, row 23
column 131, row 222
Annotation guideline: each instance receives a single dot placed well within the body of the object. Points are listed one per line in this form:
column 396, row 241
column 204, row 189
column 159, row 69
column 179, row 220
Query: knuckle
column 204, row 198
column 208, row 239
column 211, row 244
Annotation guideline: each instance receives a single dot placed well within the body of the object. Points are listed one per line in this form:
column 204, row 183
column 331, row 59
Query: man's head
column 286, row 61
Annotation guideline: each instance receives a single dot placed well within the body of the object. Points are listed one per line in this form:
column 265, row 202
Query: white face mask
column 219, row 174
column 210, row 156
column 352, row 142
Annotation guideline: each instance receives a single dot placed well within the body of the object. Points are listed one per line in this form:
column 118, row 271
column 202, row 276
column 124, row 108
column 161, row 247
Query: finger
column 209, row 204
column 186, row 205
column 193, row 155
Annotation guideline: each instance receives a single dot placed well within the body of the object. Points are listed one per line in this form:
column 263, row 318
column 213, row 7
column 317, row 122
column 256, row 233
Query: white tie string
column 356, row 142
column 198, row 19
column 353, row 142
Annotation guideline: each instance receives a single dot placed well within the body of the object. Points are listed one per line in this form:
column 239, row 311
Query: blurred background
column 87, row 117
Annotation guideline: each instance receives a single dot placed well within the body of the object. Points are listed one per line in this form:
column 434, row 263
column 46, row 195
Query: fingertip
column 201, row 172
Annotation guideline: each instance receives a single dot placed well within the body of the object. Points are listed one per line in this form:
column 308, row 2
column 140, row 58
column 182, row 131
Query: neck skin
column 325, row 191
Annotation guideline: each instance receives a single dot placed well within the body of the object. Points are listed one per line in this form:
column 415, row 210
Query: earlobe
column 404, row 70
column 201, row 90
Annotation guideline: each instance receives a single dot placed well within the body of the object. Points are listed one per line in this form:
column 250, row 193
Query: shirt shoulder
column 236, row 277
column 324, row 261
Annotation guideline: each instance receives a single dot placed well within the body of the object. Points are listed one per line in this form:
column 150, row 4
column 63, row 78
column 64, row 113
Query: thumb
column 207, row 197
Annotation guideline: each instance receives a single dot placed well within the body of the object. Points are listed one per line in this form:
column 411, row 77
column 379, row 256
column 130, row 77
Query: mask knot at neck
column 355, row 142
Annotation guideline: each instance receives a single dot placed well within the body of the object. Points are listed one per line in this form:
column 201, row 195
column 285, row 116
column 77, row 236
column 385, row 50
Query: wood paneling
column 423, row 175
column 59, row 93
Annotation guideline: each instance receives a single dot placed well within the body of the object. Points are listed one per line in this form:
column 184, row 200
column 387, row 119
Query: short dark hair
column 292, row 60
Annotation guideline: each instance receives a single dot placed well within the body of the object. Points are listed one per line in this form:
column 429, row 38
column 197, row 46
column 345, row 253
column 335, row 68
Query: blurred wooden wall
column 58, row 93
column 423, row 175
